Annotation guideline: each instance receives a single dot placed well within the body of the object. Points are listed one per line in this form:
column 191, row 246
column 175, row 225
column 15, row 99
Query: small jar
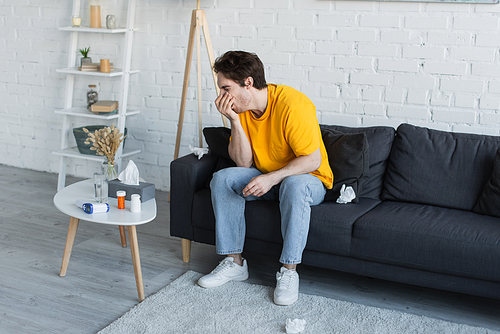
column 76, row 20
column 120, row 196
column 92, row 96
column 135, row 203
column 110, row 22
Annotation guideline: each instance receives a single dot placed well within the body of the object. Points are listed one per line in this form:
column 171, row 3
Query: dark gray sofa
column 416, row 221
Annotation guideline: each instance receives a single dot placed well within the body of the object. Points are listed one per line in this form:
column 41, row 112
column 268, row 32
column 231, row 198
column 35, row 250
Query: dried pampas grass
column 105, row 141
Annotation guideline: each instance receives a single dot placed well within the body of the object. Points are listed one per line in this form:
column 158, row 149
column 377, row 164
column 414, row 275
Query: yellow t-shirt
column 289, row 128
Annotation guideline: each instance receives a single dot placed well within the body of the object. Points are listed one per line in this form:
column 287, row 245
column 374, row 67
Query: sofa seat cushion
column 439, row 168
column 429, row 238
column 380, row 139
column 330, row 229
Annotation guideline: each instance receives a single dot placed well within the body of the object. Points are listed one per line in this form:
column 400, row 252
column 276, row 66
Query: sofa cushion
column 425, row 237
column 330, row 230
column 439, row 168
column 331, row 226
column 380, row 139
column 217, row 139
column 489, row 202
column 348, row 159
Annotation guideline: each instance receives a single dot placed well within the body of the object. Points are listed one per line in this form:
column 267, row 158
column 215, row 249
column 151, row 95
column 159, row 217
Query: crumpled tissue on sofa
column 347, row 194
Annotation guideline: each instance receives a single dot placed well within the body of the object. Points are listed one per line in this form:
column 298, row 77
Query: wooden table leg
column 134, row 249
column 123, row 236
column 186, row 249
column 70, row 240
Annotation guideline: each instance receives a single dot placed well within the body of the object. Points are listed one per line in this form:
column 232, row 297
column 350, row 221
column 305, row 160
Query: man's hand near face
column 224, row 104
column 239, row 148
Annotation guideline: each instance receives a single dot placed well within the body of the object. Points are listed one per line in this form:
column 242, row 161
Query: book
column 104, row 106
column 105, row 112
column 93, row 67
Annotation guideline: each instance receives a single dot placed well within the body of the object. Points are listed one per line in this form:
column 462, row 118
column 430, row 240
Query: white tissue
column 346, row 195
column 130, row 175
column 198, row 151
column 295, row 326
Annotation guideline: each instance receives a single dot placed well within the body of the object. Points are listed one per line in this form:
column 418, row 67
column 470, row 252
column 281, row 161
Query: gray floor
column 100, row 286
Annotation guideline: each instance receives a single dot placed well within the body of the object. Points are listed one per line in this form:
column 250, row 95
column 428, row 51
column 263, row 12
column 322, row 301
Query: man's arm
column 239, row 148
column 303, row 164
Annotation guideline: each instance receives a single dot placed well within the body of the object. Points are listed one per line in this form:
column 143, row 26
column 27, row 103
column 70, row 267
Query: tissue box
column 146, row 190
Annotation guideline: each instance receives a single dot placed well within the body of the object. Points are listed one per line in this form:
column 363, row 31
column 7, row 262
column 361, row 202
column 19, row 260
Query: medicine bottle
column 135, row 203
column 120, row 196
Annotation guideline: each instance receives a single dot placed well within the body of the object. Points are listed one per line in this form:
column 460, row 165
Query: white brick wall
column 363, row 63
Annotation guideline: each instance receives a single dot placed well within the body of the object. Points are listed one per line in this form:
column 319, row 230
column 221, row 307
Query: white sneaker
column 287, row 287
column 226, row 271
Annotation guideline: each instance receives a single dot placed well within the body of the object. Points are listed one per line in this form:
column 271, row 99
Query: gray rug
column 238, row 307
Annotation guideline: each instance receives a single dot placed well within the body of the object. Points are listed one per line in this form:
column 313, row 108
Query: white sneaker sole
column 212, row 284
column 285, row 302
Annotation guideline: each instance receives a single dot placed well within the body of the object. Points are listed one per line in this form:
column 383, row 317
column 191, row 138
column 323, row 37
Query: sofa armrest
column 187, row 176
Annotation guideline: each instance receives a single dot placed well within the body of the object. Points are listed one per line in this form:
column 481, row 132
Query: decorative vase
column 95, row 14
column 108, row 169
column 110, row 22
column 85, row 60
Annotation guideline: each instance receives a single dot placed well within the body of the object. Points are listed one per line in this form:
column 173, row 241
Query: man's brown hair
column 239, row 65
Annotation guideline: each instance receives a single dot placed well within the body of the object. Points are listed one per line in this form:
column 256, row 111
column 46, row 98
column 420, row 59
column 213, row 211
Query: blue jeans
column 296, row 194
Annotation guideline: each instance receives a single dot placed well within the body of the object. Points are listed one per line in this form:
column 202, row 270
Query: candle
column 76, row 20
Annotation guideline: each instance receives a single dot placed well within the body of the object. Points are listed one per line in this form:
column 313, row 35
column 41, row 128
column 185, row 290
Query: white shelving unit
column 69, row 112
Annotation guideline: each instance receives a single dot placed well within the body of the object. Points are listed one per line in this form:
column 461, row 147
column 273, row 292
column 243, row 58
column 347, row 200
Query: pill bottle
column 135, row 203
column 120, row 195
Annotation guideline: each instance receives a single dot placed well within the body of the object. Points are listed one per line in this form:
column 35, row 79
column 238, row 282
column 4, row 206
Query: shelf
column 74, row 153
column 95, row 30
column 84, row 113
column 79, row 113
column 74, row 70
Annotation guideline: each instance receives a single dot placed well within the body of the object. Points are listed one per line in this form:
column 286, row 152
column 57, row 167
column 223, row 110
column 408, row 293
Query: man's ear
column 249, row 82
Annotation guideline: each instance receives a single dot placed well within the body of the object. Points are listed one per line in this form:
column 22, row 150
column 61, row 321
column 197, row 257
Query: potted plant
column 86, row 58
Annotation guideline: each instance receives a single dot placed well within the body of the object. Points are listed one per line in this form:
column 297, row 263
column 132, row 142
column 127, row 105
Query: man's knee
column 294, row 183
column 220, row 177
column 232, row 177
column 304, row 186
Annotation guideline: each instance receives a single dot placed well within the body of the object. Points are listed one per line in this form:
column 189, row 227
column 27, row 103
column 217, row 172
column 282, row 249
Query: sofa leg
column 186, row 250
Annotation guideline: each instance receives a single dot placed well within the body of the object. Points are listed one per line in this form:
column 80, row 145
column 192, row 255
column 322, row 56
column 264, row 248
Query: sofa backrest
column 439, row 168
column 380, row 139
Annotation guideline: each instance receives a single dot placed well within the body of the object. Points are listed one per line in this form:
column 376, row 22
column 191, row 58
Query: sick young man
column 280, row 156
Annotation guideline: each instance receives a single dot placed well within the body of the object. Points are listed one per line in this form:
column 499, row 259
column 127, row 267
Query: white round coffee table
column 64, row 201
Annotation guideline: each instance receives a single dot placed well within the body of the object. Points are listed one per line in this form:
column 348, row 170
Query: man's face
column 241, row 95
